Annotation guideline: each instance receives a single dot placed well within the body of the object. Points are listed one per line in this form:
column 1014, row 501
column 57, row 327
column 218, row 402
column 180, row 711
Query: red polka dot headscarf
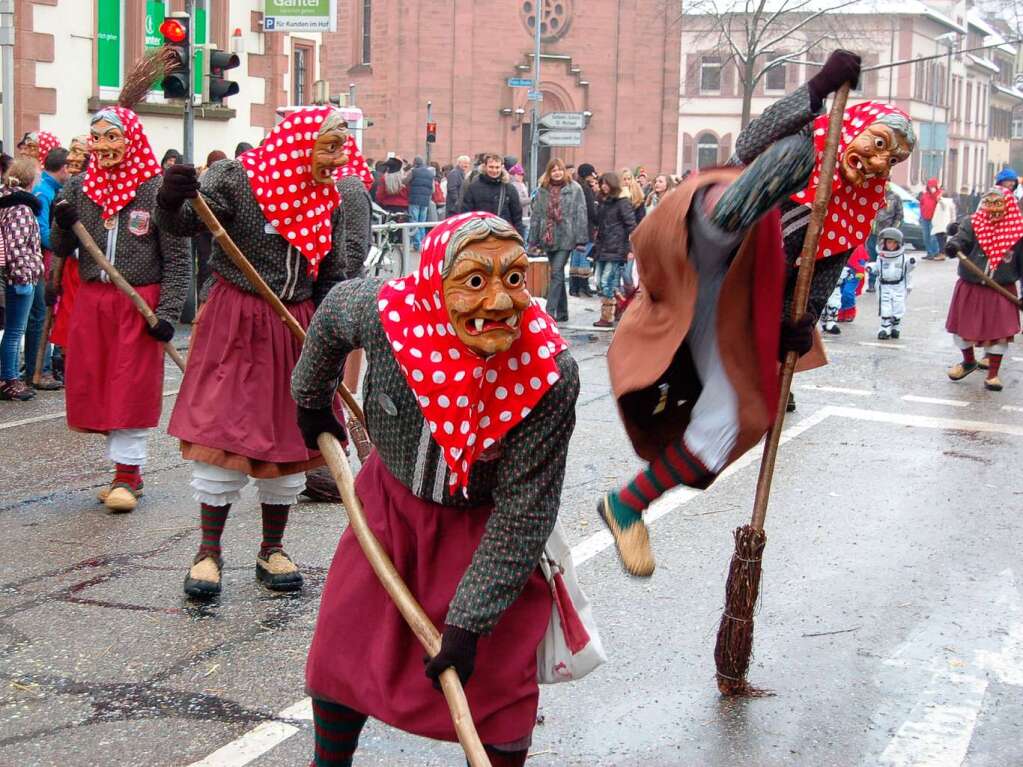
column 47, row 142
column 356, row 165
column 116, row 187
column 470, row 402
column 280, row 173
column 851, row 210
column 996, row 238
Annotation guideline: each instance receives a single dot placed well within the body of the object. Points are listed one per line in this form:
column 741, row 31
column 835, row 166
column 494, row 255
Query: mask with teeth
column 485, row 292
column 107, row 144
column 76, row 155
column 873, row 154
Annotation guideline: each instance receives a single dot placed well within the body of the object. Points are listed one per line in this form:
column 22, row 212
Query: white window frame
column 708, row 65
column 701, row 145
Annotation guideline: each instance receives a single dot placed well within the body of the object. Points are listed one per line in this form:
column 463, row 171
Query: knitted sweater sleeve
column 177, row 275
column 526, row 503
column 218, row 187
column 789, row 115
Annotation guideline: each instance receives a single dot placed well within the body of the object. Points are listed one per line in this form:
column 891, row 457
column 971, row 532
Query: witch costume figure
column 992, row 239
column 234, row 414
column 470, row 398
column 114, row 362
column 694, row 363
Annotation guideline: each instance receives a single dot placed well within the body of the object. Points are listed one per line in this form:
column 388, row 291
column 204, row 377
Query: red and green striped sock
column 126, row 474
column 675, row 466
column 275, row 519
column 994, row 364
column 212, row 520
column 337, row 730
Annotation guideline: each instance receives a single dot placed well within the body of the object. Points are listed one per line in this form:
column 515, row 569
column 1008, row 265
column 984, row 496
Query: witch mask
column 107, row 144
column 994, row 204
column 76, row 155
column 873, row 154
column 330, row 150
column 485, row 293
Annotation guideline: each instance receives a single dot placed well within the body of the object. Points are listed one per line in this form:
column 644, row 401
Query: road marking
column 268, row 735
column 935, row 401
column 55, row 416
column 880, row 345
column 838, row 390
column 1012, row 408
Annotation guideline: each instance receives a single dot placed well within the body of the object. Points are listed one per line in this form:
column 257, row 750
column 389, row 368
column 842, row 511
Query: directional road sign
column 562, row 138
column 535, row 95
column 564, row 120
column 520, row 82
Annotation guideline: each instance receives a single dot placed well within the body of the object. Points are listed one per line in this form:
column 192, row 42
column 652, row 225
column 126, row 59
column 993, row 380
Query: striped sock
column 994, row 364
column 337, row 733
column 275, row 519
column 212, row 521
column 128, row 475
column 675, row 466
column 968, row 356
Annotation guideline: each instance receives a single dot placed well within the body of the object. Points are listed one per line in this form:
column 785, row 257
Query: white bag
column 571, row 647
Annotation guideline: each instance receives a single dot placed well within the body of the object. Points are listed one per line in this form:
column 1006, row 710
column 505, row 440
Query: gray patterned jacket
column 792, row 115
column 143, row 251
column 226, row 190
column 522, row 482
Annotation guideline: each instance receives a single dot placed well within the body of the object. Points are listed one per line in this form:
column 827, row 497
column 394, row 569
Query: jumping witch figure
column 694, row 363
column 470, row 398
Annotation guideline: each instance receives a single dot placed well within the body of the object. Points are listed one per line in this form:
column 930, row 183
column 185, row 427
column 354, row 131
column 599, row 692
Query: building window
column 1017, row 128
column 367, row 26
column 774, row 80
column 710, row 74
column 301, row 74
column 706, row 150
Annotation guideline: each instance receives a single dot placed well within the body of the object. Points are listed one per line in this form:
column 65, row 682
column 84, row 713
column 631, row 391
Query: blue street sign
column 520, row 82
column 535, row 95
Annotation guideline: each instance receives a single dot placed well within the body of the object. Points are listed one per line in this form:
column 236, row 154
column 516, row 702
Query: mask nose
column 502, row 302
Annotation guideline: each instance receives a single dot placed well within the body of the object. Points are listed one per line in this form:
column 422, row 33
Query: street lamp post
column 534, row 144
column 7, row 62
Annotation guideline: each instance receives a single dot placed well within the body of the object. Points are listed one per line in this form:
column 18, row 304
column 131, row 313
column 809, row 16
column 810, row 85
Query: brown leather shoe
column 993, row 384
column 16, row 390
column 277, row 572
column 960, row 370
column 47, row 383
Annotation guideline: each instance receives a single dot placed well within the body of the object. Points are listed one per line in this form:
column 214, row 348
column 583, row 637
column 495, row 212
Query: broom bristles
column 734, row 645
column 153, row 66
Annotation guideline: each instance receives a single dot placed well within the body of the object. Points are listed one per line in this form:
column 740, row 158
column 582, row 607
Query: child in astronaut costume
column 893, row 268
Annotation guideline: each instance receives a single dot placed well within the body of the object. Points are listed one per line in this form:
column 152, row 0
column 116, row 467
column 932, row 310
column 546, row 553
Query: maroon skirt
column 978, row 314
column 365, row 656
column 69, row 284
column 114, row 368
column 235, row 408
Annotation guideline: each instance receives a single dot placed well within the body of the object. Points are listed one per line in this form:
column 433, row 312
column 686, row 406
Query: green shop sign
column 300, row 15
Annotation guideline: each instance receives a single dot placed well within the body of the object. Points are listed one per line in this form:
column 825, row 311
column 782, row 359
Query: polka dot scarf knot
column 997, row 238
column 280, row 174
column 356, row 165
column 114, row 188
column 470, row 402
column 851, row 210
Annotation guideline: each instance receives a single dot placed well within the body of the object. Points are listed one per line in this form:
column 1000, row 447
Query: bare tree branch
column 785, row 35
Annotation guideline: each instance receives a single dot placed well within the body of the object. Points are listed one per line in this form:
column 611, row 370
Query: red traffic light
column 173, row 31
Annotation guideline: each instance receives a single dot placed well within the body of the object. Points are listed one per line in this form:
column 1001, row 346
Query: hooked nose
column 502, row 302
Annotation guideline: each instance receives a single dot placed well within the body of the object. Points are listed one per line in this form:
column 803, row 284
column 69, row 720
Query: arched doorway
column 706, row 151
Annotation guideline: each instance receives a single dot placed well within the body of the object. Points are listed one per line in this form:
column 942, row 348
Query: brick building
column 617, row 60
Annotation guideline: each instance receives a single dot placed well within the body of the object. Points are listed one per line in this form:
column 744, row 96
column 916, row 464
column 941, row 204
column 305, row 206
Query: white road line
column 269, row 735
column 880, row 345
column 1017, row 359
column 935, row 401
column 1012, row 408
column 55, row 416
column 837, row 390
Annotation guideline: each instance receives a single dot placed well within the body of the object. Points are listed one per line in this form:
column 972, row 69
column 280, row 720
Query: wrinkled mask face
column 30, row 149
column 994, row 206
column 107, row 144
column 485, row 293
column 76, row 158
column 329, row 154
column 873, row 154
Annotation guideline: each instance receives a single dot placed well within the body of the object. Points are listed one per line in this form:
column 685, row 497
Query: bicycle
column 386, row 257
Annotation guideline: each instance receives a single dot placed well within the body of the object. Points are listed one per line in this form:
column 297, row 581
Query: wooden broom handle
column 806, row 263
column 407, row 605
column 55, row 275
column 989, row 282
column 255, row 280
column 123, row 285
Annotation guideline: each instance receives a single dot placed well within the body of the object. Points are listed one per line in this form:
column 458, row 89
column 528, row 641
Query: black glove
column 840, row 68
column 457, row 651
column 796, row 336
column 180, row 183
column 162, row 331
column 65, row 215
column 951, row 250
column 313, row 422
column 952, row 229
column 51, row 292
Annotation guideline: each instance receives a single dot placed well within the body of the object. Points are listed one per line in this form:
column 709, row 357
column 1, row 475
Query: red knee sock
column 212, row 521
column 994, row 362
column 128, row 475
column 968, row 358
column 275, row 519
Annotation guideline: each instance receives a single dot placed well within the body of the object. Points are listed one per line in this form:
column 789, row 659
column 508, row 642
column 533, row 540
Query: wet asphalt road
column 890, row 630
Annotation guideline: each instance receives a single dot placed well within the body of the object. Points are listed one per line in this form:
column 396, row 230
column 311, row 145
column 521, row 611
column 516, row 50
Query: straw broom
column 735, row 632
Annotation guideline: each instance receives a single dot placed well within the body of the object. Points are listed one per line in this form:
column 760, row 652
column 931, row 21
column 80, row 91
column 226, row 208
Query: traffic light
column 218, row 88
column 175, row 32
column 431, row 133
